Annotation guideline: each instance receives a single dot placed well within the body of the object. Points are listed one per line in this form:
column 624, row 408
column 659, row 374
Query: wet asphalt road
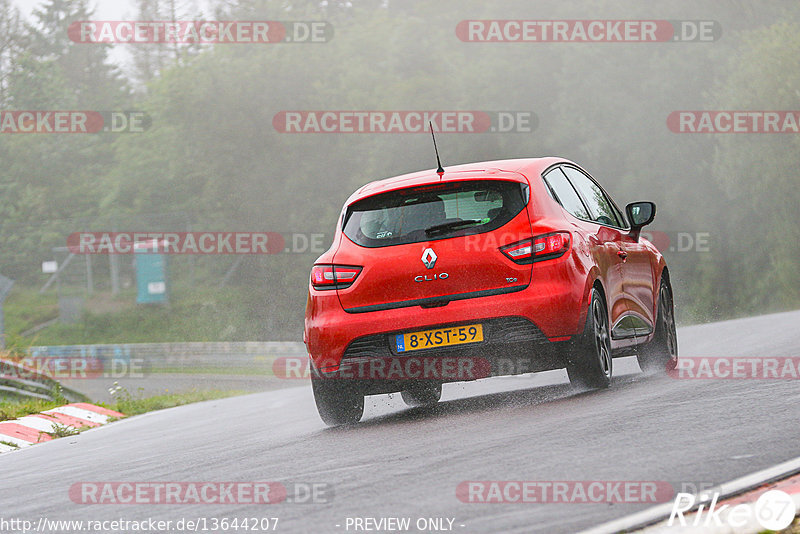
column 404, row 462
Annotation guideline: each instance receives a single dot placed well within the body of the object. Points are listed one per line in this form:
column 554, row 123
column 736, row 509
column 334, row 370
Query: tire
column 589, row 363
column 661, row 354
column 338, row 402
column 422, row 394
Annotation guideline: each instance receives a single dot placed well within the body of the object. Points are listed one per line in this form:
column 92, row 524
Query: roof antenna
column 440, row 170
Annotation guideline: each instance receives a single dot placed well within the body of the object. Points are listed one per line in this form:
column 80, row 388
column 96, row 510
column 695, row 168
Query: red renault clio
column 484, row 269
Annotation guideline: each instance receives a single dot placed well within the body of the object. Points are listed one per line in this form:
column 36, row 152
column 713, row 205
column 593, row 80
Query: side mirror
column 640, row 214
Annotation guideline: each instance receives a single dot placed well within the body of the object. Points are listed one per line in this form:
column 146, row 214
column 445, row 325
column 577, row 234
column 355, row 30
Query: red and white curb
column 743, row 511
column 36, row 428
column 744, row 491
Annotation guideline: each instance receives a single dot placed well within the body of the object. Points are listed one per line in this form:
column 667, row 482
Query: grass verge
column 194, row 314
column 125, row 403
column 14, row 408
column 129, row 404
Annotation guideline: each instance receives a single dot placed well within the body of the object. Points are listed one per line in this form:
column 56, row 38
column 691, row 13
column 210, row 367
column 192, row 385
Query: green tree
column 758, row 172
column 48, row 180
column 11, row 32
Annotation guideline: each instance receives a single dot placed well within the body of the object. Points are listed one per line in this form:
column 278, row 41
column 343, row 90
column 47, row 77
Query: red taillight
column 333, row 276
column 539, row 248
column 519, row 251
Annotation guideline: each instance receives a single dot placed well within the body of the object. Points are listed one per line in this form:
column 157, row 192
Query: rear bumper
column 512, row 345
column 516, row 323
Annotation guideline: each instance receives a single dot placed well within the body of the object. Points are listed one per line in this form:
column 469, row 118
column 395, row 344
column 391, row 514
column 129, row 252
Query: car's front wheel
column 338, row 401
column 589, row 360
column 422, row 394
column 661, row 353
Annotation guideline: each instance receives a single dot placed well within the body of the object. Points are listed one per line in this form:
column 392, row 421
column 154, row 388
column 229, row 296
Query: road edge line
column 726, row 490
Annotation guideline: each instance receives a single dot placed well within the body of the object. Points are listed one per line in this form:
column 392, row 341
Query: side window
column 563, row 193
column 620, row 216
column 598, row 204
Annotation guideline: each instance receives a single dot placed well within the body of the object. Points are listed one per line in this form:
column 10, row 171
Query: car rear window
column 434, row 212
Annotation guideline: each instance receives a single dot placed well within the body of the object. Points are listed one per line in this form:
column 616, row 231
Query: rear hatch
column 430, row 244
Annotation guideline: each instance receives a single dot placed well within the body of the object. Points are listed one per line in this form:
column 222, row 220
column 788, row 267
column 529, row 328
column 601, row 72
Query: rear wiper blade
column 439, row 228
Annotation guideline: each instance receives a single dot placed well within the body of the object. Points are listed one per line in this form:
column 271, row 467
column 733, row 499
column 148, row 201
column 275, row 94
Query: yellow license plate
column 441, row 337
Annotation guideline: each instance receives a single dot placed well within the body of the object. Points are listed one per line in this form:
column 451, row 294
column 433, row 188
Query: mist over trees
column 212, row 156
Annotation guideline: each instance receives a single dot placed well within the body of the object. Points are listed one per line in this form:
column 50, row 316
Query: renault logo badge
column 429, row 258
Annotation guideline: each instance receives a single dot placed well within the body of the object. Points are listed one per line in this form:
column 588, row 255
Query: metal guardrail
column 18, row 380
column 223, row 357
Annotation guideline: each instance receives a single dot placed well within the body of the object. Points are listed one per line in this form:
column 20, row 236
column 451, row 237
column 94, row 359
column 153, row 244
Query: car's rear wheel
column 661, row 353
column 338, row 401
column 422, row 394
column 589, row 363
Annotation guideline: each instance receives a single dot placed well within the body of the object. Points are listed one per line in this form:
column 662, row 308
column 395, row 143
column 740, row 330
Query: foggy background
column 212, row 160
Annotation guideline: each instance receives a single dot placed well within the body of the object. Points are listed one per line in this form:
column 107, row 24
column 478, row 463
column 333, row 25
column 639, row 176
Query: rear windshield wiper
column 453, row 225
